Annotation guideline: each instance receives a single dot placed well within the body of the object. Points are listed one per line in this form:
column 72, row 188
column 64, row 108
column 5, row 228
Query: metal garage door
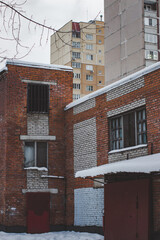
column 127, row 210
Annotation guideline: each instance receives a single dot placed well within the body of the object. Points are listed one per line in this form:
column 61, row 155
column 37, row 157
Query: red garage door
column 127, row 210
column 38, row 206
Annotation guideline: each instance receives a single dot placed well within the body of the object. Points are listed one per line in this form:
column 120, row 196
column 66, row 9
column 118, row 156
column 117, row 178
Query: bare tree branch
column 12, row 29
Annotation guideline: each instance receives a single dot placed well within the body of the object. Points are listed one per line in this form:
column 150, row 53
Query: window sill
column 128, row 148
column 37, row 168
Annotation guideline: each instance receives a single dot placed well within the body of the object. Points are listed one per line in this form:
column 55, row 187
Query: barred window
column 38, row 98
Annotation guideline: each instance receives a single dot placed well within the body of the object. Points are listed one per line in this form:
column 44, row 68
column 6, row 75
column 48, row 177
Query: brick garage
column 19, row 127
column 137, row 94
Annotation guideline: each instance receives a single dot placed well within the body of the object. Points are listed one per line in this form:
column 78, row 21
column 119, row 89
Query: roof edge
column 116, row 84
column 39, row 65
column 3, row 69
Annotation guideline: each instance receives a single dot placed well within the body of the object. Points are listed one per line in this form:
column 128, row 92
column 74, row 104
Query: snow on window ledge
column 128, row 148
column 37, row 168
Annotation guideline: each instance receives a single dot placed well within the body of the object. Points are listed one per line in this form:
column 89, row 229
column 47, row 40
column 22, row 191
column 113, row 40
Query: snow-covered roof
column 116, row 84
column 3, row 69
column 39, row 65
column 145, row 164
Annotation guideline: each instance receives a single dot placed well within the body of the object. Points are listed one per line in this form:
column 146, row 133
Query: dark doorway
column 38, row 208
column 127, row 210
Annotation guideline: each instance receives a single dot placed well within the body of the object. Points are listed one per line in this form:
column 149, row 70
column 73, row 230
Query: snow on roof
column 3, row 69
column 145, row 164
column 116, row 84
column 39, row 65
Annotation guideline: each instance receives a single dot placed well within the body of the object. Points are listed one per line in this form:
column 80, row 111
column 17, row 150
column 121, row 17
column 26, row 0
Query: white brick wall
column 35, row 181
column 84, row 106
column 127, row 154
column 125, row 88
column 127, row 107
column 85, row 144
column 37, row 124
column 88, row 207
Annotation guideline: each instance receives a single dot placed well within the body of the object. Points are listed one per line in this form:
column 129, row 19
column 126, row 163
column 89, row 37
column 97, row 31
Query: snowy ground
column 51, row 236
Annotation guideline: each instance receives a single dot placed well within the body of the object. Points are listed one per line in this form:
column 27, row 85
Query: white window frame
column 89, row 37
column 89, row 57
column 77, row 75
column 151, row 38
column 89, row 46
column 89, row 67
column 89, row 88
column 76, row 65
column 151, row 54
column 35, row 152
column 89, row 77
column 76, row 55
column 76, row 96
column 76, row 86
column 76, row 44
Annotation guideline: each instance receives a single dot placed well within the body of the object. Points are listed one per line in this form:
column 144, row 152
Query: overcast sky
column 56, row 13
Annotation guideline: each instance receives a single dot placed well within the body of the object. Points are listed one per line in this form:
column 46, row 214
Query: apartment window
column 152, row 55
column 89, row 36
column 76, row 96
column 76, row 34
column 76, row 54
column 76, row 86
column 76, row 44
column 76, row 65
column 100, row 61
column 128, row 130
column 89, row 46
column 150, row 22
column 100, row 31
column 89, row 88
column 100, row 82
column 99, row 41
column 99, row 72
column 89, row 77
column 100, row 51
column 35, row 154
column 89, row 67
column 147, row 7
column 150, row 7
column 89, row 57
column 150, row 38
column 76, row 75
column 38, row 98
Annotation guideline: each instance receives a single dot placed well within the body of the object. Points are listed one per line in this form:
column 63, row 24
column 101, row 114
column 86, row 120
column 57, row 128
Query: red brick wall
column 151, row 92
column 16, row 125
column 3, row 135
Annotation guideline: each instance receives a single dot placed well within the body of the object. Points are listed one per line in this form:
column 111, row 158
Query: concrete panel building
column 81, row 46
column 131, row 36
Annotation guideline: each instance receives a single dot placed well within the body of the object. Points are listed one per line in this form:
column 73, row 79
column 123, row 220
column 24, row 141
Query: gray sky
column 56, row 13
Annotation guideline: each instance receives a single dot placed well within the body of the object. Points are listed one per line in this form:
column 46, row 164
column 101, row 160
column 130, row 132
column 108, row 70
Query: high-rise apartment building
column 81, row 46
column 131, row 36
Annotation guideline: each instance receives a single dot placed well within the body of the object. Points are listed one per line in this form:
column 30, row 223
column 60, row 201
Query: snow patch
column 145, row 164
column 37, row 168
column 51, row 236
